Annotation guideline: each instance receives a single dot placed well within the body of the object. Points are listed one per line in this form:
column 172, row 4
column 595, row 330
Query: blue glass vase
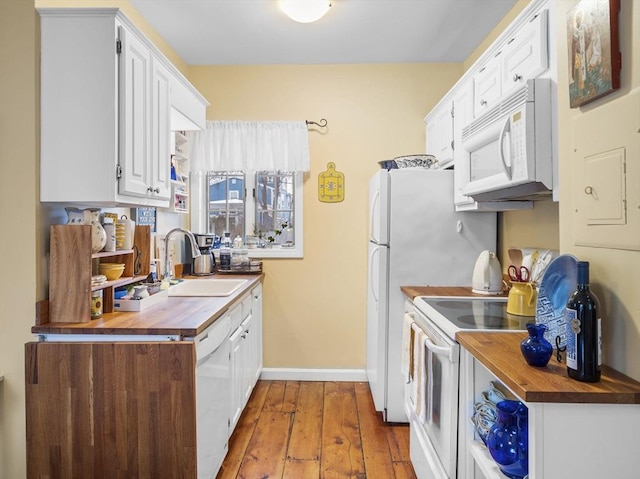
column 508, row 440
column 535, row 348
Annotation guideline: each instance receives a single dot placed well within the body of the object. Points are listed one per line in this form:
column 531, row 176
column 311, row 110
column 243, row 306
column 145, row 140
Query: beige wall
column 18, row 157
column 314, row 308
column 615, row 274
column 132, row 14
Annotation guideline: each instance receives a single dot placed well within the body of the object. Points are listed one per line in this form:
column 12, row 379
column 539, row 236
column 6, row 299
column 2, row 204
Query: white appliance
column 416, row 238
column 433, row 407
column 509, row 148
column 212, row 396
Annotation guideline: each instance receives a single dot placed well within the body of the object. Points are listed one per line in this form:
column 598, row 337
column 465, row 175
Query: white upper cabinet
column 520, row 53
column 487, row 89
column 106, row 110
column 440, row 134
column 525, row 54
column 521, row 56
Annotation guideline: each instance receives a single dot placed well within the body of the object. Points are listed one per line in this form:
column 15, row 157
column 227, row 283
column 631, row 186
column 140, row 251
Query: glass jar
column 96, row 304
column 240, row 258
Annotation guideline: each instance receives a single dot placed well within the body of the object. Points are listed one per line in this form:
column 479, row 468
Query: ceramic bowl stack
column 422, row 162
column 111, row 270
column 417, row 161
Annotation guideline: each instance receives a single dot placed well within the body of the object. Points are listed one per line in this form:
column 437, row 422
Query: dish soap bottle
column 584, row 332
column 153, row 275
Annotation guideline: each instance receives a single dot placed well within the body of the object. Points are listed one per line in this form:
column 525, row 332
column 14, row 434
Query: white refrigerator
column 416, row 238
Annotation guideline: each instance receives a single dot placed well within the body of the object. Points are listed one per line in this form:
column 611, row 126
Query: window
column 265, row 205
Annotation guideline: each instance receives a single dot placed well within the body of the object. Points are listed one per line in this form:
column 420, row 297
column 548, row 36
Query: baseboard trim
column 289, row 374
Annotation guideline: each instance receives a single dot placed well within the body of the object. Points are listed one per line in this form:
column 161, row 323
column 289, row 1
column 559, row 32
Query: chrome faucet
column 195, row 252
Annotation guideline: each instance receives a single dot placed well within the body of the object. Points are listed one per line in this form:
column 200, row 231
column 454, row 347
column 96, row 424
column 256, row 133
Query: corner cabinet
column 106, row 110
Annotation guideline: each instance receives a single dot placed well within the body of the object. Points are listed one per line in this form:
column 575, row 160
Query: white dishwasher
column 212, row 396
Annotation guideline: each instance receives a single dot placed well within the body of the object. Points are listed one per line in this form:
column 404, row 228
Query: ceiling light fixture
column 305, row 11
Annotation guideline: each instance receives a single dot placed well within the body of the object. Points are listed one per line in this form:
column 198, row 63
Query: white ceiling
column 248, row 32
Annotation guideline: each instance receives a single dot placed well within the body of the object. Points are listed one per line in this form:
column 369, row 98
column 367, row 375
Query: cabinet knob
column 517, row 77
column 483, row 102
column 154, row 190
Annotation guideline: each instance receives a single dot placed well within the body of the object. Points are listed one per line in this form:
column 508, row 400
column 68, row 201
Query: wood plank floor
column 315, row 430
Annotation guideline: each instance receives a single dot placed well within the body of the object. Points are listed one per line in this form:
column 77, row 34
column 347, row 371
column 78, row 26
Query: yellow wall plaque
column 331, row 185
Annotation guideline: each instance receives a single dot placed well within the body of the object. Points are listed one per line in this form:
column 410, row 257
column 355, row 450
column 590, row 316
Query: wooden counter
column 177, row 315
column 500, row 353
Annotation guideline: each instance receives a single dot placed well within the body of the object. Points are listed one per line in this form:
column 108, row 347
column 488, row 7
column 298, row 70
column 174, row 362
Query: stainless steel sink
column 206, row 287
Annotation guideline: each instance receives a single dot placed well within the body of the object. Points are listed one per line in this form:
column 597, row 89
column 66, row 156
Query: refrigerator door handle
column 374, row 203
column 373, row 273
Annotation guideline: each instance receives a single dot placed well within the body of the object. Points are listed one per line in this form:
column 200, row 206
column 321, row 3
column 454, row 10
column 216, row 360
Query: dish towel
column 407, row 347
column 413, row 372
column 419, row 373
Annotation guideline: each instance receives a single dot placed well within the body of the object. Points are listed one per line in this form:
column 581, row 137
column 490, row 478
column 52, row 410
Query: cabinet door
column 135, row 68
column 486, row 86
column 235, row 379
column 463, row 114
column 525, row 54
column 248, row 355
column 444, row 132
column 256, row 311
column 440, row 134
column 160, row 159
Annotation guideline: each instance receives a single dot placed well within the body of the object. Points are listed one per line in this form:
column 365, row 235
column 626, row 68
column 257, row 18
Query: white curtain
column 250, row 146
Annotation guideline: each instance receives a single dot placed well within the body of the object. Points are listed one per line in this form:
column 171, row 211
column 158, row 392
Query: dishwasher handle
column 212, row 337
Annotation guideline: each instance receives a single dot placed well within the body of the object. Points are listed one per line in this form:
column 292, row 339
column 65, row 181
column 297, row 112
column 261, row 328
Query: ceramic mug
column 522, row 299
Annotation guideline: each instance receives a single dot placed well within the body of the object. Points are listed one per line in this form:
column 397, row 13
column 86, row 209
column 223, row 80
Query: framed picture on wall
column 594, row 50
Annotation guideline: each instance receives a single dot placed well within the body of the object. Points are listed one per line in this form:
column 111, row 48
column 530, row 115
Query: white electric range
column 431, row 395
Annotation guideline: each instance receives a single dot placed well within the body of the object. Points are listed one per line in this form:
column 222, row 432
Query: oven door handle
column 445, row 351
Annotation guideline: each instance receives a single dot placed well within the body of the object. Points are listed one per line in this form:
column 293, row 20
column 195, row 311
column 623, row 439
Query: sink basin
column 206, row 287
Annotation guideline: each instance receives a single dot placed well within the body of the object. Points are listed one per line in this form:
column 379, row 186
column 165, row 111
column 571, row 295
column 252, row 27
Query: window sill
column 276, row 252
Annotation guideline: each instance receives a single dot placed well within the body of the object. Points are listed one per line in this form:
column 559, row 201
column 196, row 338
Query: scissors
column 518, row 274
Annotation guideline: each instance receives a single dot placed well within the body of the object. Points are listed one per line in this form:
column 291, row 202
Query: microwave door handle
column 506, row 128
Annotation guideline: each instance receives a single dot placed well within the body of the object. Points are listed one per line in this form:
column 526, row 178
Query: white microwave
column 509, row 148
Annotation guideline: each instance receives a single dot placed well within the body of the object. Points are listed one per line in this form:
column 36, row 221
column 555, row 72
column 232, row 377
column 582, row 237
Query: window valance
column 250, row 146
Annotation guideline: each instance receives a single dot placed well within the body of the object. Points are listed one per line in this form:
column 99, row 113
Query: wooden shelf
column 72, row 264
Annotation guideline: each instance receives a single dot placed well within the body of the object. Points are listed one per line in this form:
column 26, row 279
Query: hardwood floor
column 315, row 430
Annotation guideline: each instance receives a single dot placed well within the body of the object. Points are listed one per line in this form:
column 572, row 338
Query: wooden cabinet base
column 110, row 410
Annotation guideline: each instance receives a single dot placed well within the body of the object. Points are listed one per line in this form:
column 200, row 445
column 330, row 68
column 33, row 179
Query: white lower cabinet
column 566, row 440
column 245, row 352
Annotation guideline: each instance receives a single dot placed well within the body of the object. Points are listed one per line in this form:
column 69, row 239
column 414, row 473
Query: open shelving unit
column 72, row 264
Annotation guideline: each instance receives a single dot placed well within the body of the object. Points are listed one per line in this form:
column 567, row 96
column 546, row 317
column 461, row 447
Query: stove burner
column 454, row 304
column 487, row 322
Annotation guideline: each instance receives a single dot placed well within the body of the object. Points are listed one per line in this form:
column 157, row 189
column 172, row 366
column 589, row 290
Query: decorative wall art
column 331, row 185
column 146, row 216
column 594, row 51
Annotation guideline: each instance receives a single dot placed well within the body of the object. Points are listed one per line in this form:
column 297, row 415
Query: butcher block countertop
column 177, row 315
column 500, row 353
